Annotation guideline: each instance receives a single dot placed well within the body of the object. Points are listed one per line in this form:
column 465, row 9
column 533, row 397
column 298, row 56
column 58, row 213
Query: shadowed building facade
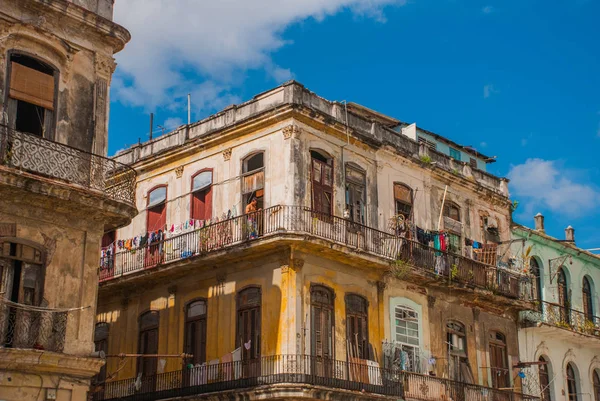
column 58, row 191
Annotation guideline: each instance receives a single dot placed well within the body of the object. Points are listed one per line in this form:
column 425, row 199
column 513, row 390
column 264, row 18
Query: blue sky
column 515, row 79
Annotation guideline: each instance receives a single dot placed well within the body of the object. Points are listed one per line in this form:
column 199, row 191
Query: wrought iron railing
column 34, row 154
column 359, row 375
column 298, row 220
column 563, row 317
column 23, row 326
column 431, row 388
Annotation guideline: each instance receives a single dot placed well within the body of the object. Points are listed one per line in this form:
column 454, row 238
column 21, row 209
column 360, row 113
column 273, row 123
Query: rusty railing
column 298, row 220
column 563, row 317
column 34, row 154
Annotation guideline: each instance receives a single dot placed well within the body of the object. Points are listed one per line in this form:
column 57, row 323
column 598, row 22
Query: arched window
column 148, row 343
column 458, row 366
column 248, row 323
column 357, row 326
column 572, row 383
column 499, row 360
column 101, row 344
column 356, row 194
column 563, row 296
column 201, row 206
column 544, row 378
column 253, row 179
column 157, row 209
column 537, row 276
column 195, row 330
column 322, row 329
column 588, row 306
column 32, row 94
column 407, row 337
column 322, row 182
column 403, row 200
column 596, row 378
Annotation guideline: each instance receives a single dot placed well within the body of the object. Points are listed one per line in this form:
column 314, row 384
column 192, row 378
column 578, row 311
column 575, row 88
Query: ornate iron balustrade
column 23, row 326
column 359, row 375
column 298, row 220
column 31, row 153
column 563, row 317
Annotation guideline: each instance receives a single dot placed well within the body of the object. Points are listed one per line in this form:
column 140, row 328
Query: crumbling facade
column 560, row 340
column 58, row 191
column 368, row 266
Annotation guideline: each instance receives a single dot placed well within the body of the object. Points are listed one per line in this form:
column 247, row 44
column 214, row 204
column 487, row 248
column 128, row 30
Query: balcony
column 39, row 156
column 29, row 327
column 363, row 377
column 556, row 315
column 399, row 253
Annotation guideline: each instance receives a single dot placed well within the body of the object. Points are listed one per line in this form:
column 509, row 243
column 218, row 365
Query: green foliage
column 453, row 271
column 425, row 159
column 400, row 269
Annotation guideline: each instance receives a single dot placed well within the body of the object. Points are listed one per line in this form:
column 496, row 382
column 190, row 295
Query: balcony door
column 499, row 360
column 248, row 329
column 148, row 345
column 322, row 329
column 563, row 297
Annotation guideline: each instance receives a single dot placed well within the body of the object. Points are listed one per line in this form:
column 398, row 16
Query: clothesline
column 40, row 308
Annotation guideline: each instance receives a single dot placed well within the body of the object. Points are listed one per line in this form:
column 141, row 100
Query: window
column 101, row 344
column 563, row 296
column 588, row 306
column 571, row 382
column 148, row 343
column 455, row 154
column 407, row 338
column 452, row 211
column 201, row 207
column 431, row 145
column 403, row 200
column 248, row 322
column 453, row 225
column 195, row 331
column 458, row 363
column 31, row 96
column 537, row 276
column 473, row 162
column 322, row 183
column 157, row 209
column 596, row 378
column 499, row 360
column 357, row 326
column 253, row 179
column 355, row 194
column 544, row 378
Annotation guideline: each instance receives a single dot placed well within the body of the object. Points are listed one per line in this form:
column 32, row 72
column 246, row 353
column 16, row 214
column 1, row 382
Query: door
column 248, row 330
column 499, row 361
column 563, row 297
column 148, row 345
column 157, row 219
column 322, row 331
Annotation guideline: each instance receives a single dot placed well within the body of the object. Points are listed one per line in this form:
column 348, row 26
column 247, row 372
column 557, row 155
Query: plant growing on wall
column 400, row 269
column 425, row 159
column 453, row 271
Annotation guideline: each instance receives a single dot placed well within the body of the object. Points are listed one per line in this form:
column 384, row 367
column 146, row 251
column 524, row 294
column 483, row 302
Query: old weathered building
column 370, row 266
column 58, row 191
column 560, row 339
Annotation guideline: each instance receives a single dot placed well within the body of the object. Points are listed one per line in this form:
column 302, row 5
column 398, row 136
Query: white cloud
column 542, row 183
column 212, row 41
column 172, row 123
column 487, row 10
column 489, row 90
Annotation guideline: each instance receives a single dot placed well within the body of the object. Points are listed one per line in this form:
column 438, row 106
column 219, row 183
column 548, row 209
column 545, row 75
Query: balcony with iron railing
column 288, row 221
column 559, row 316
column 361, row 376
column 94, row 173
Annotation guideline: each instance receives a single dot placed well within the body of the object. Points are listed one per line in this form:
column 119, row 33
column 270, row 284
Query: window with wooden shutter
column 355, row 194
column 588, row 305
column 201, row 206
column 322, row 183
column 403, row 200
column 253, row 179
column 31, row 96
column 101, row 344
column 157, row 209
column 248, row 334
column 544, row 378
column 357, row 326
column 572, row 386
column 498, row 360
column 148, row 344
column 195, row 331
